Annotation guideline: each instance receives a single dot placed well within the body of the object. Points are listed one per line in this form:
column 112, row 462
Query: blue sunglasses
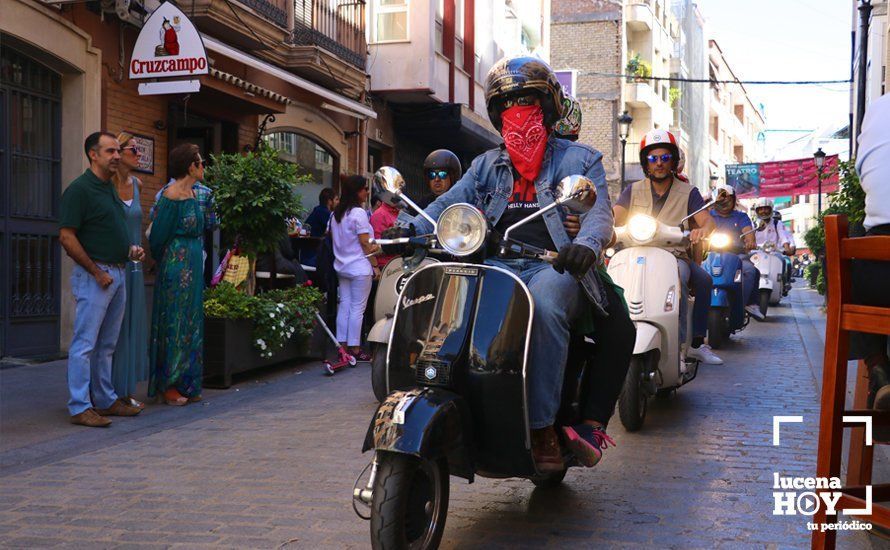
column 665, row 158
column 440, row 174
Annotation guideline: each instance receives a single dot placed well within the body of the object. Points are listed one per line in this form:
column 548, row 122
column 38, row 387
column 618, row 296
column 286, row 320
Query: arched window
column 313, row 156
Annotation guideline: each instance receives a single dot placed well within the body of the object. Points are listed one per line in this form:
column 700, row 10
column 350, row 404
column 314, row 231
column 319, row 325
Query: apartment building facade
column 428, row 60
column 735, row 125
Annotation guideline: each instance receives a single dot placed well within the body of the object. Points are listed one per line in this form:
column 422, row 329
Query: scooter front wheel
column 634, row 399
column 764, row 300
column 378, row 371
column 410, row 502
column 546, row 481
column 716, row 327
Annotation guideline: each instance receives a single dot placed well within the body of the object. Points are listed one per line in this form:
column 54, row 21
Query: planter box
column 228, row 350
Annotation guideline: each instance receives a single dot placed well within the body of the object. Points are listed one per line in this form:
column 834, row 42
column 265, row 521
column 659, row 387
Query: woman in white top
column 351, row 233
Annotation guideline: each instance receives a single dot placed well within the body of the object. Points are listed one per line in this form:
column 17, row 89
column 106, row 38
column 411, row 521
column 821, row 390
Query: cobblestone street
column 272, row 463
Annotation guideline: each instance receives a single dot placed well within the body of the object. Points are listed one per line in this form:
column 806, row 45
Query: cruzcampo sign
column 168, row 45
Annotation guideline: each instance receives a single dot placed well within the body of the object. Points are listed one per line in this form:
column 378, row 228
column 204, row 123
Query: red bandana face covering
column 525, row 138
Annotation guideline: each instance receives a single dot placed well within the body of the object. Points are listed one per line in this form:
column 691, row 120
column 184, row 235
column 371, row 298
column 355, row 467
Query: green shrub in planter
column 277, row 316
column 254, row 195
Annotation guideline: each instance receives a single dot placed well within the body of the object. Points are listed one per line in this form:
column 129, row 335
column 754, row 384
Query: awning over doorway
column 444, row 125
column 237, row 55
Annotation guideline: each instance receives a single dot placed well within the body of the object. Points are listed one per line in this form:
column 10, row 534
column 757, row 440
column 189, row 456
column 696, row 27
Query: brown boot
column 545, row 450
column 119, row 408
column 91, row 419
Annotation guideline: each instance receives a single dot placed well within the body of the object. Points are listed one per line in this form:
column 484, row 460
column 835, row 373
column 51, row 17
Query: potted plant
column 254, row 196
column 244, row 332
column 675, row 95
column 639, row 68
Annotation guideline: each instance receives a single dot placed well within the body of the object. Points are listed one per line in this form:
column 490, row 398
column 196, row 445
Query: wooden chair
column 842, row 318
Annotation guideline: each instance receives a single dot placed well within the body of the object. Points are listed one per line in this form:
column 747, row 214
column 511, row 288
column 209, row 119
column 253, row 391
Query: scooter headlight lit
column 738, row 276
column 719, row 240
column 642, row 228
column 461, row 229
column 610, row 252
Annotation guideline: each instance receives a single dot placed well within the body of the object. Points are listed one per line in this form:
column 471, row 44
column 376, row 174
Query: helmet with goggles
column 517, row 80
column 443, row 160
column 659, row 139
column 569, row 126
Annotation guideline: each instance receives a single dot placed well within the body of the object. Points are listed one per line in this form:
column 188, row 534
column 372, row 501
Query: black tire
column 378, row 371
column 764, row 300
column 632, row 403
column 410, row 502
column 716, row 327
column 548, row 481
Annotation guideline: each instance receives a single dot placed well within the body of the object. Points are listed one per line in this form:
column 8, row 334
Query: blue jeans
column 692, row 274
column 97, row 323
column 750, row 278
column 559, row 302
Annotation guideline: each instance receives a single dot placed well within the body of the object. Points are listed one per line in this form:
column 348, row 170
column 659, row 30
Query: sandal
column 195, row 398
column 174, row 398
column 362, row 355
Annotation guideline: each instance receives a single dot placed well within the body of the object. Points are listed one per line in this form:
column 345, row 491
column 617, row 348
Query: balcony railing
column 273, row 10
column 335, row 25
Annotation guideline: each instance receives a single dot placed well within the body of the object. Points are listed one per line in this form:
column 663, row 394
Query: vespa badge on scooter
column 456, row 371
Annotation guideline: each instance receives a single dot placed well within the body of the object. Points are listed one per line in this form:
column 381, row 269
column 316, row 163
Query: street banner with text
column 782, row 178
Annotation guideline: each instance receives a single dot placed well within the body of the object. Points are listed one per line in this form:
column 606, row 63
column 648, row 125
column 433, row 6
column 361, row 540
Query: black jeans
column 869, row 288
column 603, row 379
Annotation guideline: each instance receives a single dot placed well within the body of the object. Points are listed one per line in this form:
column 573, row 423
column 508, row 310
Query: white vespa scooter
column 769, row 262
column 392, row 279
column 653, row 290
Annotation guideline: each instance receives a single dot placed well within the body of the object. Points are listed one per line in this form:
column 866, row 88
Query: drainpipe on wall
column 864, row 16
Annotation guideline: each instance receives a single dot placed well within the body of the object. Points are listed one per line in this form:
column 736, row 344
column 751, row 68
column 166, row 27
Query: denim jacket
column 488, row 185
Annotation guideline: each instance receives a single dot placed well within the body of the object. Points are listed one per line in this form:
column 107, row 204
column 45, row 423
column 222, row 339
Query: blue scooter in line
column 727, row 315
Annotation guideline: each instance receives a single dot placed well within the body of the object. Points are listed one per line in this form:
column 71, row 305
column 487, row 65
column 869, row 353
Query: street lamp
column 819, row 159
column 624, row 122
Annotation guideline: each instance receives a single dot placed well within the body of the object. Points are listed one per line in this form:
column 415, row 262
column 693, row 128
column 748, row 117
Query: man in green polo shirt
column 93, row 231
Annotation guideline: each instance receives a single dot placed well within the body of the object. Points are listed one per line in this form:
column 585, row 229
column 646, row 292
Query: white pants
column 354, row 292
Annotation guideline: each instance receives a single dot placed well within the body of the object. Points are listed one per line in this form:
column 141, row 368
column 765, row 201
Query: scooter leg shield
column 429, row 423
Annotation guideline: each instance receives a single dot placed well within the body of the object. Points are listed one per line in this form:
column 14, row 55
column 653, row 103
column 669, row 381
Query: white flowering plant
column 277, row 315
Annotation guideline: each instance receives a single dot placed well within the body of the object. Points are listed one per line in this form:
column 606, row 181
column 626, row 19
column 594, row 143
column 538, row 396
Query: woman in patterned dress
column 177, row 323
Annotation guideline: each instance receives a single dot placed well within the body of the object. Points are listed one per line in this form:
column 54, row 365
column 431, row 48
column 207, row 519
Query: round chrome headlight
column 720, row 240
column 461, row 229
column 642, row 228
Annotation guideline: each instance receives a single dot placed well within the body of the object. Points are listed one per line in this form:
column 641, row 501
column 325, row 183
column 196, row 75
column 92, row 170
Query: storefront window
column 389, row 20
column 313, row 157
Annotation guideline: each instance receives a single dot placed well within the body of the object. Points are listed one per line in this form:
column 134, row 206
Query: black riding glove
column 574, row 258
column 397, row 232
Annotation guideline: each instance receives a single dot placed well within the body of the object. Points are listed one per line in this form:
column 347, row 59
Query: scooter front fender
column 381, row 330
column 648, row 338
column 429, row 423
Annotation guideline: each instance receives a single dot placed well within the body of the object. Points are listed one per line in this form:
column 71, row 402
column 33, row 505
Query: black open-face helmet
column 443, row 159
column 519, row 76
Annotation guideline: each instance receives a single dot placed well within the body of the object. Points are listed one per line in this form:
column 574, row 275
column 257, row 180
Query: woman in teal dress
column 130, row 364
column 177, row 321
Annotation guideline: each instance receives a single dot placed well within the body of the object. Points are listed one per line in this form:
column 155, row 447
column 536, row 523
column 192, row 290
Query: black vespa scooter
column 456, row 373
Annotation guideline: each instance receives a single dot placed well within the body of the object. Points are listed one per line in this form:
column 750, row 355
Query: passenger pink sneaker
column 587, row 442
